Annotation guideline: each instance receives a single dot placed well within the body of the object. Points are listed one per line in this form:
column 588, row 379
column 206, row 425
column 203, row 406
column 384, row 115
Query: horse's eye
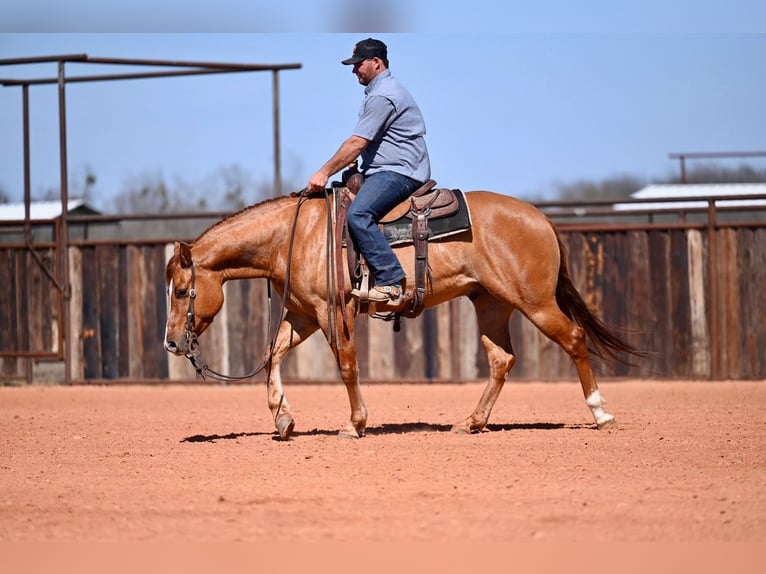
column 181, row 293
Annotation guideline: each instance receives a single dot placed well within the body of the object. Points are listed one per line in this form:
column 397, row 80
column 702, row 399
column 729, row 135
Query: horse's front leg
column 344, row 348
column 349, row 372
column 292, row 331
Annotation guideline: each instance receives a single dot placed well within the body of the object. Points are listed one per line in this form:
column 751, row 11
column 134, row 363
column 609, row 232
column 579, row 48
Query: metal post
column 63, row 239
column 27, row 185
column 277, row 159
column 28, row 373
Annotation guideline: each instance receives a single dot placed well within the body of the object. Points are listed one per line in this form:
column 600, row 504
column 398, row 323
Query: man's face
column 366, row 70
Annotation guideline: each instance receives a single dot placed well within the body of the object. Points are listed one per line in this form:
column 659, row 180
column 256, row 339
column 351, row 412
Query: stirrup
column 363, row 291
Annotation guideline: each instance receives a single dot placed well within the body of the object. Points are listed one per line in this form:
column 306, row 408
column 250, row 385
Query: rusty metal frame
column 172, row 68
column 683, row 156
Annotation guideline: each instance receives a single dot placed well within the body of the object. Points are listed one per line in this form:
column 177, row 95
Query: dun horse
column 512, row 259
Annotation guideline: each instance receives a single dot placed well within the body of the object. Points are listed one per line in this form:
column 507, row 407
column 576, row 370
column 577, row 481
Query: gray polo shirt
column 391, row 120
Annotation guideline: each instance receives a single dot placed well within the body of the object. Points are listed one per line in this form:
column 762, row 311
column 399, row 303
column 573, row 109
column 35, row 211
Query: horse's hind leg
column 570, row 337
column 493, row 319
column 292, row 331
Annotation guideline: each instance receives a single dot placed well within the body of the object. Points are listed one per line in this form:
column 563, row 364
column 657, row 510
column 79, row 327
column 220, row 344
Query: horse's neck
column 246, row 245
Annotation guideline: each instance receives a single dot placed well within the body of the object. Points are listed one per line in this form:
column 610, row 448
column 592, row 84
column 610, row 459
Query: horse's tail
column 605, row 344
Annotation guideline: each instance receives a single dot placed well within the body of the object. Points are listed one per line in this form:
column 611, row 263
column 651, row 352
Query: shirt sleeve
column 374, row 118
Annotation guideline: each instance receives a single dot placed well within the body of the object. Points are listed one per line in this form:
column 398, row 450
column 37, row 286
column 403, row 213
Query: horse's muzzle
column 172, row 347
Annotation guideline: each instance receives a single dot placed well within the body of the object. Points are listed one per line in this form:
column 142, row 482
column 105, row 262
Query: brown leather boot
column 389, row 295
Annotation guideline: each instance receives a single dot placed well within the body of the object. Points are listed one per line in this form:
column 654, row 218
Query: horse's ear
column 183, row 253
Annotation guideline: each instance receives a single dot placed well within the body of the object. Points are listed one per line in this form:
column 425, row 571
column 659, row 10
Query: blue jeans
column 380, row 193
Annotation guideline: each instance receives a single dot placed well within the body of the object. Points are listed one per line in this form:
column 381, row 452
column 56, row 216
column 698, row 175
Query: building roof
column 42, row 209
column 681, row 191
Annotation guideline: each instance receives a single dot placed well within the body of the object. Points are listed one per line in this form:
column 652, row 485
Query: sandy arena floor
column 685, row 463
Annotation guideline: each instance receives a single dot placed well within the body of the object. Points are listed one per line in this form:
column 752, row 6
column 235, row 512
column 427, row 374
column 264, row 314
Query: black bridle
column 194, row 352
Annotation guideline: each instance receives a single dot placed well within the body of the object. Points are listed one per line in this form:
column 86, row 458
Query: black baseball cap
column 366, row 49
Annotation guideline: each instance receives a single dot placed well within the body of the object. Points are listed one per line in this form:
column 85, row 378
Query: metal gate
column 31, row 270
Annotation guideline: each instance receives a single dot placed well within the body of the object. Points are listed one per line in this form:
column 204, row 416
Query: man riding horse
column 389, row 135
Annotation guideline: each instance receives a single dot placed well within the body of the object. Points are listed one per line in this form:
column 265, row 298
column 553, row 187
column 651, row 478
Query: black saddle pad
column 399, row 232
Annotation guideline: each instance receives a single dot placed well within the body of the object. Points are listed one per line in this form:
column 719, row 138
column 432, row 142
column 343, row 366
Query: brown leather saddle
column 439, row 202
column 427, row 202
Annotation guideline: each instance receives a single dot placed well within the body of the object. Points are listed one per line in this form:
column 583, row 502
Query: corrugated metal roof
column 668, row 190
column 37, row 209
column 695, row 190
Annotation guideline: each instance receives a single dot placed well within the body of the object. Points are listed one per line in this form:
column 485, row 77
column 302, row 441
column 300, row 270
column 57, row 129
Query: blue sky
column 515, row 111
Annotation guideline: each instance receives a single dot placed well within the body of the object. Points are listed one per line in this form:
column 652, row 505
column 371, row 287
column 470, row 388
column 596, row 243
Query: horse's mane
column 263, row 205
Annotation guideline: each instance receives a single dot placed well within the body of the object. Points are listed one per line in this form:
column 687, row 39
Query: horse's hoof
column 285, row 426
column 350, row 431
column 605, row 422
column 460, row 428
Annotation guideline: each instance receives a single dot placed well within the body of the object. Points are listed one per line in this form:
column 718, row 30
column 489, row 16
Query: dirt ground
column 686, row 462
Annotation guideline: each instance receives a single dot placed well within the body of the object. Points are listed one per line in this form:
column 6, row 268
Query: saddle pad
column 399, row 232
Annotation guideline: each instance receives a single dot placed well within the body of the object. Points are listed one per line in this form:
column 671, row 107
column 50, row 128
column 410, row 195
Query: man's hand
column 344, row 157
column 317, row 182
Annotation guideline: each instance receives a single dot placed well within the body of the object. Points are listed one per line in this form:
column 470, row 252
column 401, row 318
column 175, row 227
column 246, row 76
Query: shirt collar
column 376, row 80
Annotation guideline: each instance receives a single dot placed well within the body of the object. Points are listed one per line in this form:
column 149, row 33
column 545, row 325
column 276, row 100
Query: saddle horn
column 355, row 182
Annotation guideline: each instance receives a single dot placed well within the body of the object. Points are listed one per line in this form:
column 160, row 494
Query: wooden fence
column 653, row 284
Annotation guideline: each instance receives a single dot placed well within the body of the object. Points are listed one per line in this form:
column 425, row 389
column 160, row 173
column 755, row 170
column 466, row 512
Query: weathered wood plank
column 444, row 342
column 155, row 303
column 729, row 292
column 107, row 260
column 614, row 287
column 77, row 365
column 679, row 281
column 136, row 332
column 639, row 311
column 362, row 337
column 22, row 301
column 471, row 352
column 700, row 333
column 754, row 306
column 381, row 350
column 8, row 294
column 660, row 300
column 91, row 325
column 430, row 343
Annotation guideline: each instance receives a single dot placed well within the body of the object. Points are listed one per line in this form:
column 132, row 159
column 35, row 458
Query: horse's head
column 195, row 295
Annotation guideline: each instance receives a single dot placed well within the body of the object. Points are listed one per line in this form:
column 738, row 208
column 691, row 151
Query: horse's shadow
column 388, row 429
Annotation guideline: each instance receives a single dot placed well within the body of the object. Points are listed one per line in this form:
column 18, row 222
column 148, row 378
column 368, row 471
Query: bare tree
column 715, row 173
column 613, row 188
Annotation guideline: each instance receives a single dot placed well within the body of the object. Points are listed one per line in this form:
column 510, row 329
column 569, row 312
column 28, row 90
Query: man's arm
column 346, row 154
